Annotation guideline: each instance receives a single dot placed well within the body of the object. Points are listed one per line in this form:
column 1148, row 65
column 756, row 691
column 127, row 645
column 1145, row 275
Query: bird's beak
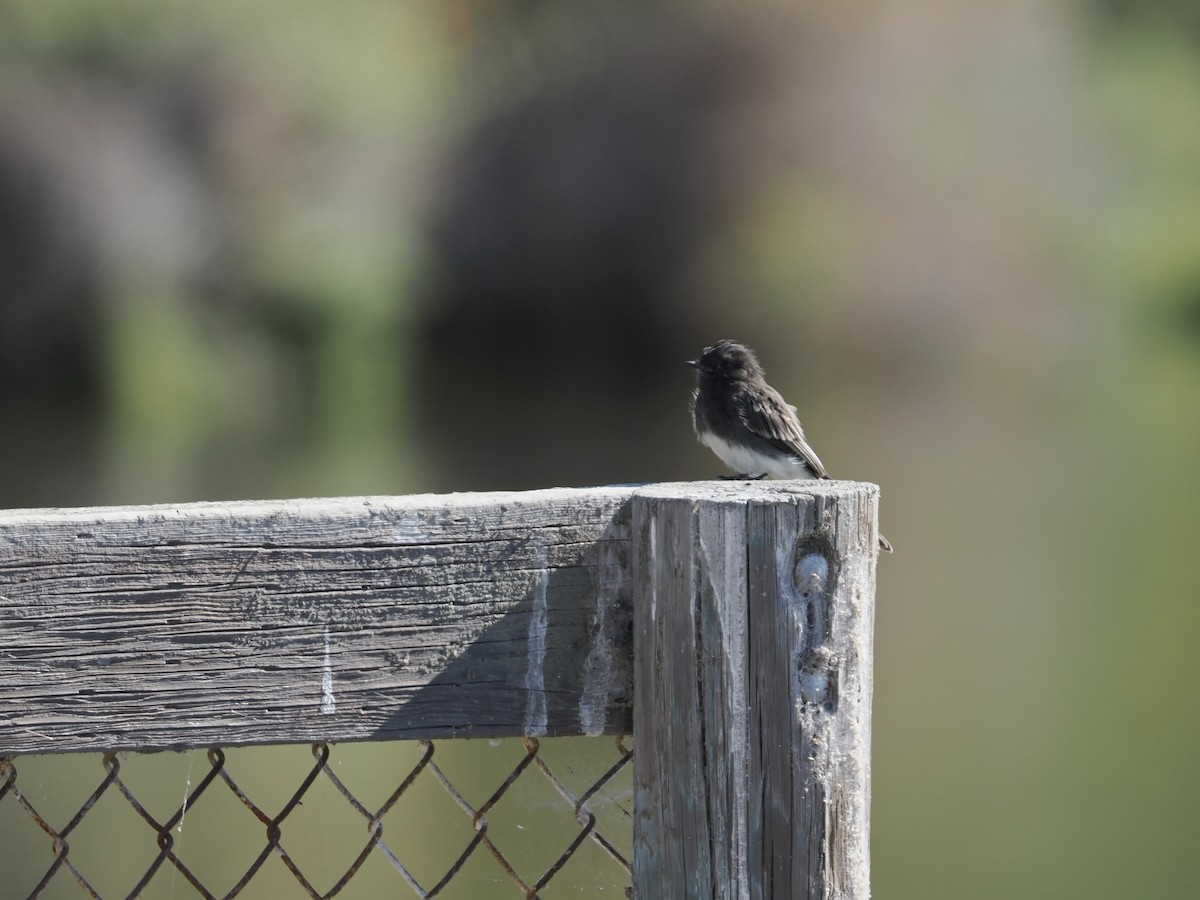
column 694, row 363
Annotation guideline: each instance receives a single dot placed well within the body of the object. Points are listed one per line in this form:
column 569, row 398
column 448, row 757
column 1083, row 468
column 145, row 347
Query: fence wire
column 218, row 777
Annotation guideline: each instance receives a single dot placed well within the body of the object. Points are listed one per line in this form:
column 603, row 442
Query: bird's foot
column 742, row 477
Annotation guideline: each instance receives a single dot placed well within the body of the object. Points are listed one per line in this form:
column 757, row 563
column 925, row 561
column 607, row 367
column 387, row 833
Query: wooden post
column 370, row 618
column 753, row 617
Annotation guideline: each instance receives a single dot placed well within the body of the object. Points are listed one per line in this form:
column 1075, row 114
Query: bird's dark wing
column 774, row 420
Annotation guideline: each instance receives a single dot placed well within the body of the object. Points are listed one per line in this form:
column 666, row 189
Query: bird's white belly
column 745, row 461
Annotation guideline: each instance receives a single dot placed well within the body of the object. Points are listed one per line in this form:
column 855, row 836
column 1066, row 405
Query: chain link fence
column 354, row 820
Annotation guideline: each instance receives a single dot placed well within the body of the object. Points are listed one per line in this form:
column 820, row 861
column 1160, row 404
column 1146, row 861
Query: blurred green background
column 292, row 249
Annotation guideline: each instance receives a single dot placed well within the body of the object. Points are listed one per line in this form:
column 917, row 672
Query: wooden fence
column 727, row 625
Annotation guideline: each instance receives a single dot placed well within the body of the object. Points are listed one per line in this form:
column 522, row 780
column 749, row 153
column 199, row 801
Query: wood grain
column 347, row 619
column 486, row 615
column 753, row 618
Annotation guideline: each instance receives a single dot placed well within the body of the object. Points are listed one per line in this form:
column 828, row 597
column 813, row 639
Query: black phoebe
column 745, row 421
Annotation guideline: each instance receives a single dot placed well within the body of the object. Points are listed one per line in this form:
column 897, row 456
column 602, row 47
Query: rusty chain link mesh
column 426, row 848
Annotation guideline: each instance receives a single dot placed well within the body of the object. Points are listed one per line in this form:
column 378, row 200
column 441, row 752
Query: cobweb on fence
column 446, row 819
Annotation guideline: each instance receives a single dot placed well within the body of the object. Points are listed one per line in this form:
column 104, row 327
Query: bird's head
column 727, row 359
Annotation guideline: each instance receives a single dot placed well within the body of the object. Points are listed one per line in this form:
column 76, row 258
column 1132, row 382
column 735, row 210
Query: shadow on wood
column 557, row 661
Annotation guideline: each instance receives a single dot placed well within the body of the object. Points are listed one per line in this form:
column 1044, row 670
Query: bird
column 746, row 422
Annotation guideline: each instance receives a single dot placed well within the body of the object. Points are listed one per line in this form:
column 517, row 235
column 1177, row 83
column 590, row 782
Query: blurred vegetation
column 1160, row 15
column 295, row 249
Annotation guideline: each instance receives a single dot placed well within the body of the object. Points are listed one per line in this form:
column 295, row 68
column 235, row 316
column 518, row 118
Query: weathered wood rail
column 728, row 625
